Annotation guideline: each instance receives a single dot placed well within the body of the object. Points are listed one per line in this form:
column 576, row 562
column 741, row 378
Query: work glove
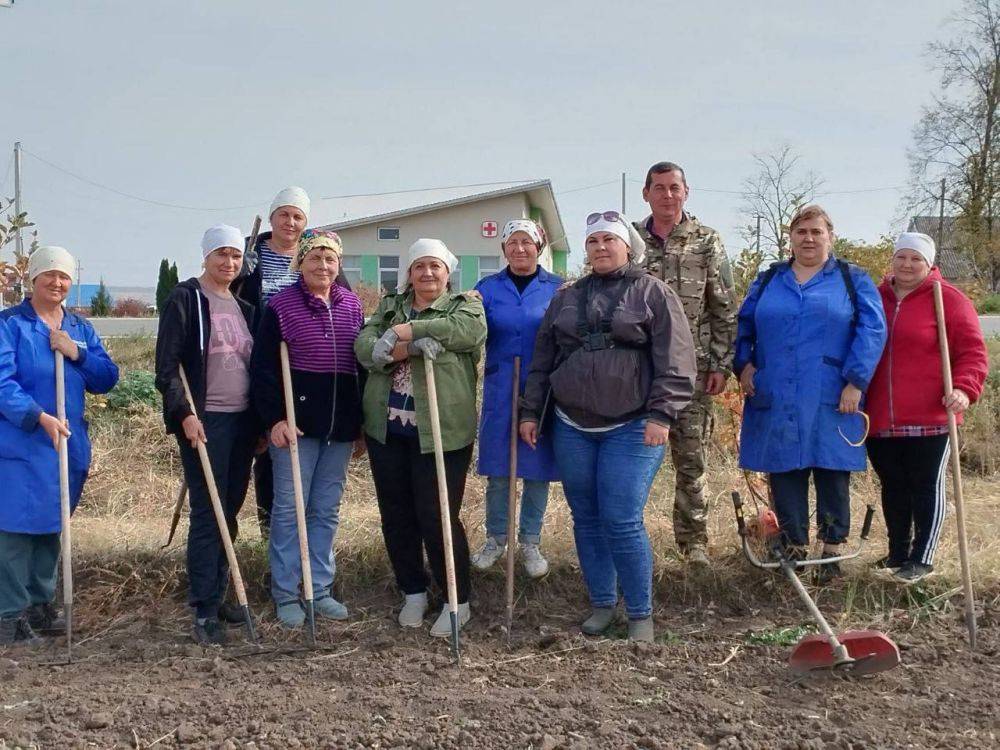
column 382, row 351
column 425, row 347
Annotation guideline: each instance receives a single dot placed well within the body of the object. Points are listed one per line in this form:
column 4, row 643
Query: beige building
column 468, row 220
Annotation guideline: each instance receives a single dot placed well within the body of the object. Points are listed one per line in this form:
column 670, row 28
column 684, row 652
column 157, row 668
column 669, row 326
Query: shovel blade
column 870, row 652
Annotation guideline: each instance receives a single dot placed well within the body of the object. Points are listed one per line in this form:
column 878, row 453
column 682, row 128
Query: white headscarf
column 426, row 248
column 291, row 196
column 51, row 258
column 625, row 232
column 918, row 243
column 221, row 235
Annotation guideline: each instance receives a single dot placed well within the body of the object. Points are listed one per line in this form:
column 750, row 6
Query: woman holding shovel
column 515, row 299
column 206, row 330
column 423, row 320
column 318, row 321
column 30, row 335
column 908, row 443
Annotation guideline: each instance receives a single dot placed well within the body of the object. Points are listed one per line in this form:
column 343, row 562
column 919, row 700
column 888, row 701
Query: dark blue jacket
column 29, row 465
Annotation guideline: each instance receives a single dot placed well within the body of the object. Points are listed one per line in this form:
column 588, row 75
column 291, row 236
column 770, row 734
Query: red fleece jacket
column 908, row 386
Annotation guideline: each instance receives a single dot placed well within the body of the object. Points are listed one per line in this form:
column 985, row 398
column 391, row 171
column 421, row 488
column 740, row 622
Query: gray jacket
column 640, row 362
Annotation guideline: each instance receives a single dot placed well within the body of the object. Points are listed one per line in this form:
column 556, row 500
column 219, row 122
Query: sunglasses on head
column 607, row 216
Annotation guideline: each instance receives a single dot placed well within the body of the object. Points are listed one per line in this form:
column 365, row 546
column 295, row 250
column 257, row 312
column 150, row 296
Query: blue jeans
column 606, row 477
column 324, row 473
column 28, row 570
column 534, row 498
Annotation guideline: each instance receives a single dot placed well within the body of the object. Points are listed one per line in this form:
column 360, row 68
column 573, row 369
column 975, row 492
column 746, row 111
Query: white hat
column 221, row 235
column 291, row 196
column 530, row 228
column 51, row 258
column 918, row 243
column 425, row 248
column 617, row 227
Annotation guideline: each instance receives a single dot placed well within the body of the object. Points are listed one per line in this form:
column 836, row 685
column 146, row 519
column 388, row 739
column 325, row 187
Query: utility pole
column 758, row 233
column 79, row 289
column 17, row 196
column 623, row 193
column 940, row 239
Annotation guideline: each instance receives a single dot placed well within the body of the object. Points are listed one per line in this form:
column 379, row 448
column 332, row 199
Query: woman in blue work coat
column 811, row 332
column 515, row 300
column 30, row 519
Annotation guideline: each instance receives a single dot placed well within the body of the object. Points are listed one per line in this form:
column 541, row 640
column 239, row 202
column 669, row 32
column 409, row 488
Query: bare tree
column 957, row 138
column 774, row 192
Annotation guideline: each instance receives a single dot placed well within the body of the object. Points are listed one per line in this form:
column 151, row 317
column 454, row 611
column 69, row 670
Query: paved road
column 111, row 327
column 147, row 326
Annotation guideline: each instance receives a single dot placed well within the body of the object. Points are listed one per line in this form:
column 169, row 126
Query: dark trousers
column 263, row 487
column 790, row 490
column 28, row 565
column 231, row 438
column 406, row 486
column 912, row 473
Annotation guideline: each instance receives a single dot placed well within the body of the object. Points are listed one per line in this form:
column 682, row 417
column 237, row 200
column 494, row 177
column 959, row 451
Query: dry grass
column 135, row 475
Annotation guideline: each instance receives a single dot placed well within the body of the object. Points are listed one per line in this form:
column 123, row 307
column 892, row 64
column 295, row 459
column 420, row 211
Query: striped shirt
column 274, row 273
column 320, row 337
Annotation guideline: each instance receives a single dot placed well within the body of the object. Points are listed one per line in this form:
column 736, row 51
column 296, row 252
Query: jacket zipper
column 892, row 335
column 333, row 408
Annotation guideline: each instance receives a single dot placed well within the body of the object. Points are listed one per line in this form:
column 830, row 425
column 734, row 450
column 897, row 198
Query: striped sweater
column 325, row 372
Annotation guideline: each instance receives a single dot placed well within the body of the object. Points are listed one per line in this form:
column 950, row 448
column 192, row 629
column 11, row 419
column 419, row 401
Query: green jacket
column 458, row 322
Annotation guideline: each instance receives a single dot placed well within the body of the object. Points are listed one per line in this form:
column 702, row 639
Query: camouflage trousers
column 688, row 438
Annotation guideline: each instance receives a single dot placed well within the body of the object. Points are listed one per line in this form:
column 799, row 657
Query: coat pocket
column 831, row 382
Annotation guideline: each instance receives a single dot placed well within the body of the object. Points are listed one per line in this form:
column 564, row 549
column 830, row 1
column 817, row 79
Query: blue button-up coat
column 512, row 321
column 29, row 465
column 806, row 348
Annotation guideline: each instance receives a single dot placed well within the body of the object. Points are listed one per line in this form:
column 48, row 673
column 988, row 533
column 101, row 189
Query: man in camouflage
column 689, row 256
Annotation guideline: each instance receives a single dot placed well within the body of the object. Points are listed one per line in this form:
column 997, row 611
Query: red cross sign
column 489, row 228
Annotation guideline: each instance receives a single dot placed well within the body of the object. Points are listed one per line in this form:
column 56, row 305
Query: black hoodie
column 182, row 339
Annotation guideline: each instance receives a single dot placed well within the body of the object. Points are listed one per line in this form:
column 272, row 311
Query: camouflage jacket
column 695, row 265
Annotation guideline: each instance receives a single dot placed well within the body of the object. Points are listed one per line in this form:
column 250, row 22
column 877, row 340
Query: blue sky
column 220, row 104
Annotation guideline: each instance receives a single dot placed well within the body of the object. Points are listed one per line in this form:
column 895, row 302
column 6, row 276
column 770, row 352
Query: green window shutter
column 469, row 268
column 369, row 269
column 559, row 260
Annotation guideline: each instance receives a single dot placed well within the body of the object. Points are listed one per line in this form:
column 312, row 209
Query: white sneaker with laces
column 535, row 565
column 442, row 626
column 413, row 611
column 490, row 552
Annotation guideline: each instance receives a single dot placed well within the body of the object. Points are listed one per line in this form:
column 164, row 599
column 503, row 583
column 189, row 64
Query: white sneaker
column 490, row 552
column 535, row 565
column 442, row 626
column 414, row 608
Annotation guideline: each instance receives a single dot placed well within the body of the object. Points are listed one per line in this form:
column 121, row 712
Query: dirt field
column 715, row 678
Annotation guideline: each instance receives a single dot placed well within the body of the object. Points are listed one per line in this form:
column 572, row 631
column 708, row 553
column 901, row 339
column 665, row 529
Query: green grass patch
column 777, row 637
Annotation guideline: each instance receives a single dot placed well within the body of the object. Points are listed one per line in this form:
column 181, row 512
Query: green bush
column 135, row 387
column 989, row 305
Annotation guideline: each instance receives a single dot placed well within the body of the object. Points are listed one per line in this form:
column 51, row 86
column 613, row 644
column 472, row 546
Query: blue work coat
column 29, row 465
column 806, row 348
column 512, row 322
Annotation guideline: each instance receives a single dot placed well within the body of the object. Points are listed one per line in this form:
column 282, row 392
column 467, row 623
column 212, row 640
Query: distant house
column 954, row 265
column 81, row 294
column 376, row 231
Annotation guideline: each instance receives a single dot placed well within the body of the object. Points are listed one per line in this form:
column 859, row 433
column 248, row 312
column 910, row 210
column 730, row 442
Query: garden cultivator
column 857, row 652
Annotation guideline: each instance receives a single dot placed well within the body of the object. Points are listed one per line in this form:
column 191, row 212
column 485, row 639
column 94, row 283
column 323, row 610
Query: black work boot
column 231, row 614
column 45, row 619
column 15, row 631
column 208, row 631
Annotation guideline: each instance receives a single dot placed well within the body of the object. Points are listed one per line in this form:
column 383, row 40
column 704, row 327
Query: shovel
column 956, row 472
column 64, row 509
column 512, row 497
column 220, row 519
column 856, row 652
column 445, row 507
column 300, row 505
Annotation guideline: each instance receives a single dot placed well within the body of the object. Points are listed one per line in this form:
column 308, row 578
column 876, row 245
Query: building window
column 388, row 234
column 388, row 272
column 488, row 265
column 350, row 265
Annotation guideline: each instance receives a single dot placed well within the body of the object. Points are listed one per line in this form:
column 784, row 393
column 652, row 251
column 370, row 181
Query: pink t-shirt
column 228, row 382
